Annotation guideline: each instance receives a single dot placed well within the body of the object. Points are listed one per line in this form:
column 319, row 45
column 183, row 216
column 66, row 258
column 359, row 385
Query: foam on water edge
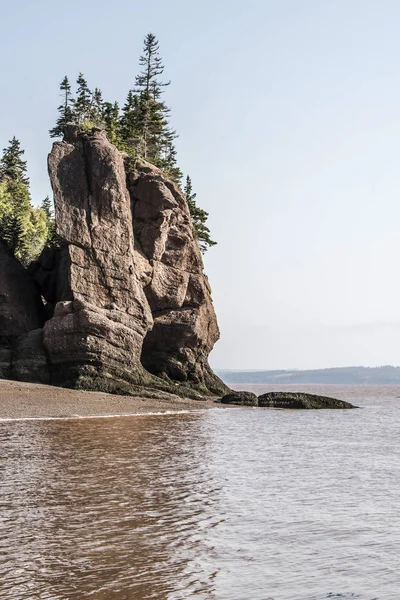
column 108, row 416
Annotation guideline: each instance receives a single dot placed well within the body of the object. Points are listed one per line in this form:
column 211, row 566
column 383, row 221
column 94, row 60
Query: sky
column 288, row 114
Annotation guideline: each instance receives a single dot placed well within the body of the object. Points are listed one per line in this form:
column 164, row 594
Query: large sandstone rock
column 101, row 314
column 185, row 328
column 128, row 302
column 21, row 308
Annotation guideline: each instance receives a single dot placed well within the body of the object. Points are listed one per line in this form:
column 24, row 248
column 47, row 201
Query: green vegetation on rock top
column 141, row 128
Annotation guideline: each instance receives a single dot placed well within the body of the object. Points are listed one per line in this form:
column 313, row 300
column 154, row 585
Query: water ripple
column 224, row 505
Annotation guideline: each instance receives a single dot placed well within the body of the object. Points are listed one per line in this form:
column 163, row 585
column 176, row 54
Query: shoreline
column 33, row 401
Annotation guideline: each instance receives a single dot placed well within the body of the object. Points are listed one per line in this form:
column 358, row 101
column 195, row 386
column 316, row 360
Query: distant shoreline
column 384, row 375
column 30, row 401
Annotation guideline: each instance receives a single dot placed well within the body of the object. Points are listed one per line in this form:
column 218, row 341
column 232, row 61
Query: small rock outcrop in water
column 300, row 400
column 128, row 304
column 240, row 398
column 284, row 400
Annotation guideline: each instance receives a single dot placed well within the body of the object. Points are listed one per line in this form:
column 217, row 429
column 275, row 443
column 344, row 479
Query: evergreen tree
column 36, row 235
column 12, row 165
column 47, row 209
column 15, row 183
column 168, row 161
column 16, row 217
column 152, row 68
column 112, row 123
column 7, row 221
column 199, row 219
column 97, row 109
column 22, row 228
column 153, row 128
column 130, row 124
column 83, row 103
column 66, row 111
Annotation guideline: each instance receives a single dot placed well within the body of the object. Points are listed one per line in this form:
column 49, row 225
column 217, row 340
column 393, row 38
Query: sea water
column 235, row 504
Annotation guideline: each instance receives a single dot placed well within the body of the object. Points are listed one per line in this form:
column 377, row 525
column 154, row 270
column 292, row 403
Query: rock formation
column 185, row 327
column 284, row 400
column 300, row 400
column 127, row 301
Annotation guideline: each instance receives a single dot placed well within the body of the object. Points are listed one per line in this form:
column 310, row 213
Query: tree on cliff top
column 142, row 129
column 112, row 123
column 97, row 109
column 65, row 110
column 156, row 137
column 83, row 101
column 130, row 126
column 199, row 219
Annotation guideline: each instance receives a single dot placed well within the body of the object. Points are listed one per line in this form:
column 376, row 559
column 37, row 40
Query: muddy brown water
column 238, row 504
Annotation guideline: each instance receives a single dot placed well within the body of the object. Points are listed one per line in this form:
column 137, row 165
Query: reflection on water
column 241, row 504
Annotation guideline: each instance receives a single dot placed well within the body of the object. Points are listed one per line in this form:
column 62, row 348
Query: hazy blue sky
column 289, row 119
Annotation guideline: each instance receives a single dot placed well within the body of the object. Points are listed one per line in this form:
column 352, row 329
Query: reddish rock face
column 185, row 327
column 132, row 304
column 101, row 313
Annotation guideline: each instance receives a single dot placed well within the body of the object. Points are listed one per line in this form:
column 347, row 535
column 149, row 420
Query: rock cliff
column 127, row 301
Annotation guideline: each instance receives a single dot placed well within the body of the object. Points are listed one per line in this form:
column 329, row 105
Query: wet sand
column 20, row 400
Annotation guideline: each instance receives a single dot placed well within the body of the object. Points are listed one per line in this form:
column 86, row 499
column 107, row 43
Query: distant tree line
column 141, row 127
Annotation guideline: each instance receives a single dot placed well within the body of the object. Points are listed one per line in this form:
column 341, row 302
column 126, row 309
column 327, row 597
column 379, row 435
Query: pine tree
column 130, row 124
column 15, row 184
column 96, row 114
column 12, row 166
column 15, row 218
column 66, row 112
column 152, row 65
column 199, row 219
column 112, row 123
column 83, row 103
column 152, row 112
column 36, row 235
column 22, row 228
column 6, row 215
column 47, row 209
column 168, row 161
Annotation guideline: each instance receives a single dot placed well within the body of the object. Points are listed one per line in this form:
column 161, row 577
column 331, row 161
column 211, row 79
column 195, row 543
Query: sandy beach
column 29, row 400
